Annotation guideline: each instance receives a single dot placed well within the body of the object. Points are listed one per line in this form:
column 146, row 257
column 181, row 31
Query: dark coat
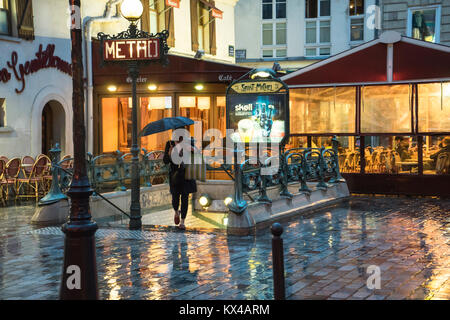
column 178, row 184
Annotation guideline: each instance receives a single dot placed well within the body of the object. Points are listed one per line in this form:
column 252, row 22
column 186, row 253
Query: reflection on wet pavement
column 326, row 257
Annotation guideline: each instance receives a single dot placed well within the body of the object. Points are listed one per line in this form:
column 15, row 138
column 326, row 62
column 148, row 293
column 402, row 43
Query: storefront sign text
column 44, row 59
column 133, row 49
column 257, row 87
column 173, row 3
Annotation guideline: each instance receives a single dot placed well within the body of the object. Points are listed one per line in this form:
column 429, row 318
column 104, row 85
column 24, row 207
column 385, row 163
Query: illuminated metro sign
column 131, row 49
column 173, row 3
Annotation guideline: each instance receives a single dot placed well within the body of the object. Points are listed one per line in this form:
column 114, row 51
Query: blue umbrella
column 165, row 124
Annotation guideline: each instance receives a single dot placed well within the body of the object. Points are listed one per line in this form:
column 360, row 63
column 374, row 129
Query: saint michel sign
column 131, row 49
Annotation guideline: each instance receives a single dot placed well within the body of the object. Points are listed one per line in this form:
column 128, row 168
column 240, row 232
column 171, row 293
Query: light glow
column 131, row 9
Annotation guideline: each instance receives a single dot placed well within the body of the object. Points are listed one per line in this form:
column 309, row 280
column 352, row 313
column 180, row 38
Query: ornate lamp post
column 79, row 279
column 134, row 46
column 132, row 11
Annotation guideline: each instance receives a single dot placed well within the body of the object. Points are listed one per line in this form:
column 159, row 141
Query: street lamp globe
column 131, row 10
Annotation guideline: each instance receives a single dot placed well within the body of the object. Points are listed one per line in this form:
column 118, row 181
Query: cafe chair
column 443, row 163
column 35, row 181
column 2, row 180
column 4, row 159
column 11, row 174
column 27, row 165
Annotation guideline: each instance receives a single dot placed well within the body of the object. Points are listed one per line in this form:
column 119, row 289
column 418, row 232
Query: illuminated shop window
column 323, row 110
column 117, row 122
column 391, row 155
column 434, row 107
column 154, row 108
column 386, row 109
column 196, row 108
column 436, row 155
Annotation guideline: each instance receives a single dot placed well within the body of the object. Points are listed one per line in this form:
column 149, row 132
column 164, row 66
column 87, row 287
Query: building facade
column 418, row 19
column 35, row 70
column 296, row 33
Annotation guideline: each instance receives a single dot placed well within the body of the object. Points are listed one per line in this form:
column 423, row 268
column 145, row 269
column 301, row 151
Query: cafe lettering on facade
column 185, row 87
column 388, row 102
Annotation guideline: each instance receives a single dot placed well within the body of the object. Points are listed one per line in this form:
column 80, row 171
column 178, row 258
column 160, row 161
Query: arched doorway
column 53, row 126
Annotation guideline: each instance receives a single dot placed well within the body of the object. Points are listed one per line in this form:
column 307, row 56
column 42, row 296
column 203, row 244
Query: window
column 356, row 7
column 157, row 16
column 436, row 155
column 2, row 112
column 203, row 26
column 386, row 109
column 424, row 23
column 317, row 8
column 274, row 28
column 357, row 29
column 391, row 155
column 274, row 9
column 16, row 18
column 196, row 108
column 117, row 123
column 318, row 30
column 5, row 17
column 323, row 110
column 434, row 107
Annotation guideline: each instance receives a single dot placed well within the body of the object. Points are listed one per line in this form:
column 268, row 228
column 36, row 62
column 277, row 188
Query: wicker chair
column 2, row 180
column 35, row 181
column 11, row 174
column 27, row 165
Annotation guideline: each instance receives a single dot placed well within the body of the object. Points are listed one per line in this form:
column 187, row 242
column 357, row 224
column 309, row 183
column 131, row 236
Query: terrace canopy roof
column 390, row 59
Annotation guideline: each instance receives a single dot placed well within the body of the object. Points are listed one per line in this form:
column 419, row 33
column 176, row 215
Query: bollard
column 278, row 262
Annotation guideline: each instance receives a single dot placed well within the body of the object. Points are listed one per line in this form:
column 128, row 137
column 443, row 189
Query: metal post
column 278, row 262
column 238, row 205
column 337, row 178
column 135, row 208
column 79, row 278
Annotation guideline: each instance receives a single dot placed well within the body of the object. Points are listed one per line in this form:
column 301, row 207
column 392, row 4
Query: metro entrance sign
column 131, row 49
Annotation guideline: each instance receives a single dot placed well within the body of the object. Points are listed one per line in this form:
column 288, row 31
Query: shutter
column 145, row 19
column 194, row 25
column 169, row 25
column 212, row 32
column 25, row 25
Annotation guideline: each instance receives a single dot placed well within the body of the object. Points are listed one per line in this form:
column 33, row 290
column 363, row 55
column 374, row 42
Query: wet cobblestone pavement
column 326, row 256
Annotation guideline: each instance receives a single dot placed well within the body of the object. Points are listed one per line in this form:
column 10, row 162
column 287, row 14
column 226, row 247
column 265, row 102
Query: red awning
column 392, row 58
column 180, row 69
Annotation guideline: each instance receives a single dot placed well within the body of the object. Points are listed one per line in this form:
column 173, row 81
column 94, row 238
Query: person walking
column 180, row 188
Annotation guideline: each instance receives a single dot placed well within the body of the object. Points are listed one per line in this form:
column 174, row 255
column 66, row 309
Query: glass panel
column 311, row 52
column 311, row 9
column 281, row 53
column 267, row 53
column 325, row 8
column 436, row 155
column 324, row 31
column 267, row 9
column 281, row 9
column 281, row 33
column 152, row 109
column 386, row 109
column 424, row 24
column 325, row 51
column 391, row 155
column 221, row 113
column 357, row 30
column 267, row 34
column 311, row 32
column 297, row 142
column 434, row 107
column 356, row 7
column 116, row 124
column 323, row 110
column 197, row 112
column 4, row 22
column 349, row 154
